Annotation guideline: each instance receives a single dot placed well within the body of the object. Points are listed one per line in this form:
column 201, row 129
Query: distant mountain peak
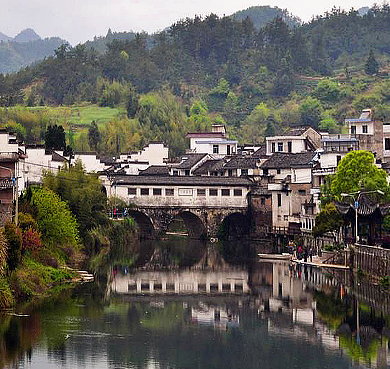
column 27, row 35
column 4, row 37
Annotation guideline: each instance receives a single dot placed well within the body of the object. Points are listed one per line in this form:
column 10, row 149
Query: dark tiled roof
column 206, row 134
column 155, row 170
column 108, row 160
column 189, row 160
column 289, row 160
column 209, row 166
column 57, row 157
column 182, row 180
column 260, row 153
column 299, row 131
column 241, row 162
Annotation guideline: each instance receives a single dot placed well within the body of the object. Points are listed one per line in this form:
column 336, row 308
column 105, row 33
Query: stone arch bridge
column 204, row 203
column 200, row 222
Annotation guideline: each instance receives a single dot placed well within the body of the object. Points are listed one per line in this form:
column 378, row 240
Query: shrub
column 32, row 240
column 14, row 241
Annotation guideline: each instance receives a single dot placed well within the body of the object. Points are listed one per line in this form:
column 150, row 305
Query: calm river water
column 272, row 315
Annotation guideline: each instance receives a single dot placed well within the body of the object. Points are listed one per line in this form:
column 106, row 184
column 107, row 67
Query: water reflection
column 274, row 315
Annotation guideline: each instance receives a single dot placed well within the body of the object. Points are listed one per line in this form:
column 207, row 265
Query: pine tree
column 371, row 67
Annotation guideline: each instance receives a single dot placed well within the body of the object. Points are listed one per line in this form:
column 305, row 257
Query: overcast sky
column 80, row 20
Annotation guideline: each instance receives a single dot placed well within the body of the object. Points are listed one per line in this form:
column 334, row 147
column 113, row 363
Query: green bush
column 6, row 298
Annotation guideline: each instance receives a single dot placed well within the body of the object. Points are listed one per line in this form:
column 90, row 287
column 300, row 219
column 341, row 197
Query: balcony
column 5, row 183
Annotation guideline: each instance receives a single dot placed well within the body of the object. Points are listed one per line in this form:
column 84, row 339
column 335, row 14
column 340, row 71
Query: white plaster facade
column 182, row 195
column 156, row 153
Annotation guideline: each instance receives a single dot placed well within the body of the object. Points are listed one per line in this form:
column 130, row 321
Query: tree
column 14, row 240
column 371, row 67
column 55, row 138
column 93, row 136
column 311, row 110
column 82, row 192
column 132, row 103
column 357, row 171
column 328, row 220
column 55, row 220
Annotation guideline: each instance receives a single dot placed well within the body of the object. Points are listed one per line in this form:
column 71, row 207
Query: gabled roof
column 260, row 153
column 206, row 134
column 290, row 160
column 58, row 157
column 155, row 170
column 209, row 166
column 189, row 160
column 241, row 162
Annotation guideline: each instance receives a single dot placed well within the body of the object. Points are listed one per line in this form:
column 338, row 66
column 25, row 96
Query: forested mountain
column 24, row 49
column 207, row 69
column 261, row 15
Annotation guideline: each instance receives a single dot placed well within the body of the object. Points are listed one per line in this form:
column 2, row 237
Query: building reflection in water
column 287, row 304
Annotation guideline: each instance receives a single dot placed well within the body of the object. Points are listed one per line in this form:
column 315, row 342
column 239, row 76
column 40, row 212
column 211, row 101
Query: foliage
column 55, row 220
column 94, row 136
column 371, row 67
column 311, row 112
column 327, row 91
column 6, row 298
column 31, row 240
column 328, row 220
column 14, row 240
column 357, row 171
column 55, row 138
column 83, row 195
column 3, row 253
column 27, row 221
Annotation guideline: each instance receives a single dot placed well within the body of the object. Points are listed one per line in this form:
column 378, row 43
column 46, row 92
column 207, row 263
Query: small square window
column 365, row 129
column 187, row 172
column 169, row 192
column 144, row 191
column 237, row 192
column 273, row 147
column 302, row 192
column 213, row 192
column 157, row 191
column 225, row 192
column 131, row 191
column 280, row 146
column 215, row 149
column 244, row 172
column 278, row 171
column 201, row 192
column 353, row 130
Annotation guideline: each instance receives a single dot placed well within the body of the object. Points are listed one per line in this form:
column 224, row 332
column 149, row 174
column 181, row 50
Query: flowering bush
column 32, row 240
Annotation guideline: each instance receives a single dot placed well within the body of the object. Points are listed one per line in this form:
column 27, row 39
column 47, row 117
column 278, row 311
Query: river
column 270, row 315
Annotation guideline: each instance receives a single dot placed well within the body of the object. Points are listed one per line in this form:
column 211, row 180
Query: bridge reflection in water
column 181, row 282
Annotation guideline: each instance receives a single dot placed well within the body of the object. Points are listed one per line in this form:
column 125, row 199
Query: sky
column 80, row 20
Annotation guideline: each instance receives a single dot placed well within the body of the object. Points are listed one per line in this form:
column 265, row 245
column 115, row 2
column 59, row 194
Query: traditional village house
column 294, row 141
column 214, row 142
column 188, row 163
column 290, row 186
column 11, row 170
column 368, row 131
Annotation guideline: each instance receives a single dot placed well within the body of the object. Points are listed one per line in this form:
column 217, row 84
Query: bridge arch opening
column 188, row 224
column 235, row 225
column 145, row 225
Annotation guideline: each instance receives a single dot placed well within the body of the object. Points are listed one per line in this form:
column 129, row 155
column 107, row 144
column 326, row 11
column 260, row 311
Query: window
column 201, row 192
column 213, row 192
column 265, row 172
column 215, row 149
column 273, row 147
column 169, row 192
column 244, row 172
column 285, row 217
column 263, row 201
column 279, row 199
column 225, row 192
column 365, row 129
column 302, row 192
column 338, row 158
column 228, row 150
column 187, row 172
column 145, row 191
column 353, row 130
column 131, row 191
column 175, row 173
column 277, row 171
column 157, row 191
column 280, row 146
column 230, row 173
column 289, row 146
column 387, row 143
column 237, row 192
